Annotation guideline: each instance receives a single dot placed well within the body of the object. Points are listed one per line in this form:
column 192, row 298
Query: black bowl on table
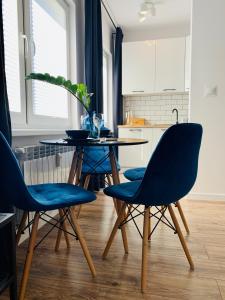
column 79, row 134
column 104, row 132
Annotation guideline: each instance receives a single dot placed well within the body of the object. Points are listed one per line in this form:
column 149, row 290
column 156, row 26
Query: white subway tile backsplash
column 158, row 108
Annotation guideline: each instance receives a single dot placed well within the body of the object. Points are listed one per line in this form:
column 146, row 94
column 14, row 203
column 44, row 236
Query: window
column 36, row 38
column 105, row 87
column 10, row 19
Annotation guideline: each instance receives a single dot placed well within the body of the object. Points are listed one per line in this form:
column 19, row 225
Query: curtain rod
column 108, row 14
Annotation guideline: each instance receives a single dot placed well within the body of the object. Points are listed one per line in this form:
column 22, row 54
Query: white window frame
column 26, row 122
column 108, row 57
column 19, row 118
column 39, row 121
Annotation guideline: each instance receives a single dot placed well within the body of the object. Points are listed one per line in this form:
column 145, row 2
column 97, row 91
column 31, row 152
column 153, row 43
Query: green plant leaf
column 79, row 90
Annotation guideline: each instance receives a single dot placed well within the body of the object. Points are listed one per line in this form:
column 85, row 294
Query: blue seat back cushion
column 172, row 169
column 92, row 155
column 12, row 187
column 38, row 197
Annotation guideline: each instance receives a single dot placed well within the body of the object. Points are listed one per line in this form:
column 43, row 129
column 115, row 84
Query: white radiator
column 45, row 164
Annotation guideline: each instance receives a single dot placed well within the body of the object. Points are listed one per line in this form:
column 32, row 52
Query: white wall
column 160, row 32
column 208, row 69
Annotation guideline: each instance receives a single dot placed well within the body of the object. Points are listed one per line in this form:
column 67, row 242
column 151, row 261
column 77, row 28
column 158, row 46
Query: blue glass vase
column 88, row 124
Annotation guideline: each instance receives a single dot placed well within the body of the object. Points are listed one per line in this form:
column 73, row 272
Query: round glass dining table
column 77, row 161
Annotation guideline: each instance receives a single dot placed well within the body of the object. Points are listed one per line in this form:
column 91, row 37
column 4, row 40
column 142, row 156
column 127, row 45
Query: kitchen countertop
column 146, row 126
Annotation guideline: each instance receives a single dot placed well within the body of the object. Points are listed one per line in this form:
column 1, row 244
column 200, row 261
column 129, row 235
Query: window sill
column 36, row 132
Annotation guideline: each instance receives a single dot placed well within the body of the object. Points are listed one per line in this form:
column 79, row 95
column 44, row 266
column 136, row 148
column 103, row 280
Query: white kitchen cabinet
column 170, row 65
column 156, row 135
column 187, row 63
column 139, row 155
column 138, row 70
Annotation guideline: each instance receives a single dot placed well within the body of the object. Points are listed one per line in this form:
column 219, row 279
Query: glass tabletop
column 99, row 142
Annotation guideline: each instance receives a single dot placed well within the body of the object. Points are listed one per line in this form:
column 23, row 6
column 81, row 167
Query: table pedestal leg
column 75, row 174
column 116, row 180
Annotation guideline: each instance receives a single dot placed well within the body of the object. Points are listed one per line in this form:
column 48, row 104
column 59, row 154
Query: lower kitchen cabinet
column 139, row 155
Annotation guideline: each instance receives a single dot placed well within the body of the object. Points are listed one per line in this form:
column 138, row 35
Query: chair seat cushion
column 124, row 191
column 134, row 174
column 58, row 195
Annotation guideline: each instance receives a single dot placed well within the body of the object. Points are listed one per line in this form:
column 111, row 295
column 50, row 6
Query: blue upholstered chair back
column 172, row 169
column 92, row 156
column 13, row 190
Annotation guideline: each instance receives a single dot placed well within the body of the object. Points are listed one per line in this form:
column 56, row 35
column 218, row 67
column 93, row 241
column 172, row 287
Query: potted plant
column 78, row 90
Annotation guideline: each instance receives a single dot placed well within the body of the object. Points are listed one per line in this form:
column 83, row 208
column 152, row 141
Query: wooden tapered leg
column 182, row 240
column 28, row 261
column 77, row 230
column 79, row 167
column 150, row 226
column 63, row 228
column 75, row 171
column 86, row 184
column 144, row 268
column 73, row 168
column 114, row 200
column 120, row 218
column 108, row 179
column 116, row 180
column 21, row 226
column 182, row 216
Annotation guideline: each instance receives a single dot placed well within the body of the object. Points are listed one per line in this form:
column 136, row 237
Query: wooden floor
column 65, row 275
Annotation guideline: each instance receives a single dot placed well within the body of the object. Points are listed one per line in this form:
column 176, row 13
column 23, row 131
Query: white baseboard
column 25, row 235
column 206, row 197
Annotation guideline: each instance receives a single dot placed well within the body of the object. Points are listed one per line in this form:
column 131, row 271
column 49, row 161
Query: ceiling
column 168, row 13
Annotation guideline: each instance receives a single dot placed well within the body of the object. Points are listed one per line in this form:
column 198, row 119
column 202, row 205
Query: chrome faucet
column 175, row 110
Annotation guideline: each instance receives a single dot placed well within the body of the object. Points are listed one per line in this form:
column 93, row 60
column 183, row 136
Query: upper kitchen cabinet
column 138, row 67
column 170, row 65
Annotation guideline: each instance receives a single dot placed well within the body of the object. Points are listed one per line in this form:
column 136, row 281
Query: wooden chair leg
column 182, row 216
column 63, row 229
column 114, row 200
column 73, row 168
column 123, row 229
column 144, row 268
column 150, row 226
column 21, row 226
column 116, row 180
column 29, row 257
column 77, row 230
column 79, row 167
column 114, row 231
column 108, row 179
column 182, row 240
column 86, row 184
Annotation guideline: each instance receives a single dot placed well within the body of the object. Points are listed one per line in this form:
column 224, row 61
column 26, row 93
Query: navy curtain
column 5, row 124
column 117, row 81
column 94, row 53
column 5, row 128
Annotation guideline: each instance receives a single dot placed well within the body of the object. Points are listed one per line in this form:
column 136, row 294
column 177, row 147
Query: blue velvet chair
column 96, row 165
column 170, row 175
column 138, row 174
column 39, row 199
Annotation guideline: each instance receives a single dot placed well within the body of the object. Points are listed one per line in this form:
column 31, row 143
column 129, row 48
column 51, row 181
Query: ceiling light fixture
column 147, row 9
column 142, row 18
column 144, row 9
